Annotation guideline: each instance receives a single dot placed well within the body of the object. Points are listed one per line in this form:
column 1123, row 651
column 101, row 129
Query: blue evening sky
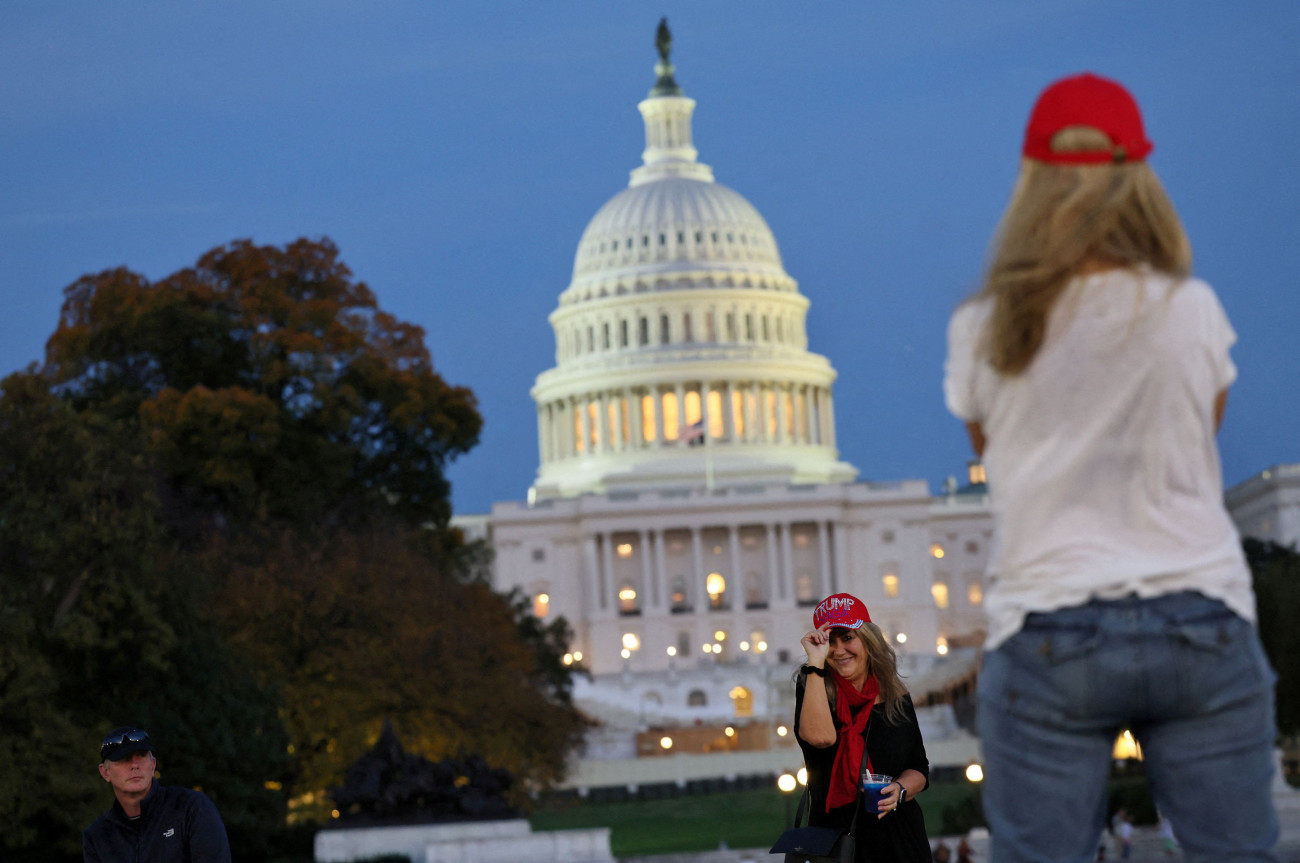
column 455, row 151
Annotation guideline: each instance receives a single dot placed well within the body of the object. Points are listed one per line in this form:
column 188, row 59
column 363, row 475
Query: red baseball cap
column 1087, row 100
column 841, row 610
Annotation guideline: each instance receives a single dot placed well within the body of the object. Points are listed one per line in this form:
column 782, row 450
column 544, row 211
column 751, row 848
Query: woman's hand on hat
column 816, row 643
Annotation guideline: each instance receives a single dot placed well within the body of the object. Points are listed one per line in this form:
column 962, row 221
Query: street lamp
column 786, row 782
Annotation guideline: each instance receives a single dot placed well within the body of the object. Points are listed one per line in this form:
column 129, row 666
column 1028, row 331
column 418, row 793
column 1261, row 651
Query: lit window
column 742, row 701
column 890, row 583
column 939, row 591
column 625, row 549
column 975, row 593
column 541, row 604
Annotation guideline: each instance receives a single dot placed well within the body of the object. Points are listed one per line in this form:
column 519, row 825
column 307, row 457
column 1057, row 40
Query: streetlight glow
column 786, row 782
column 975, row 773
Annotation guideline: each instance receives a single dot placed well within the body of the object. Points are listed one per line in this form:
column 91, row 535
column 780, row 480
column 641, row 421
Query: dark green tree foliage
column 223, row 515
column 1276, row 573
column 97, row 625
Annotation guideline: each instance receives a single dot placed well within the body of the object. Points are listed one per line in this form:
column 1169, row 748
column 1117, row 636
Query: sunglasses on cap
column 117, row 739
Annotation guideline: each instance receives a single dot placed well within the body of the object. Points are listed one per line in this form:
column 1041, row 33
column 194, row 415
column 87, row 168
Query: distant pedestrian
column 1092, row 372
column 1122, row 828
column 1166, row 834
column 964, row 851
column 941, row 853
column 149, row 822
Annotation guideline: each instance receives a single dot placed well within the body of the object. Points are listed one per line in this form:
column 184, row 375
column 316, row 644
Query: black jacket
column 176, row 825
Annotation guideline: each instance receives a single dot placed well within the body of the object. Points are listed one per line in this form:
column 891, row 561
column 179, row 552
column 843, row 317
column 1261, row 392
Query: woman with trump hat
column 1091, row 371
column 853, row 716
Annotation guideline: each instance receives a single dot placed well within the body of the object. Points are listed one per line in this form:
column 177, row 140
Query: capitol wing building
column 690, row 507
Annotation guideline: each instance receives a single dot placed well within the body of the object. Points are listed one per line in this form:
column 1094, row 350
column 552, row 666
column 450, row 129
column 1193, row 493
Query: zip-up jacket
column 176, row 825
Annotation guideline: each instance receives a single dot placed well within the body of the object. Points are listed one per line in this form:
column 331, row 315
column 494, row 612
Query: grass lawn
column 699, row 822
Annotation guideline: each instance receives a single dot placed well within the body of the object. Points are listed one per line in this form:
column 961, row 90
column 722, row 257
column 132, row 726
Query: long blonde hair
column 882, row 661
column 1062, row 218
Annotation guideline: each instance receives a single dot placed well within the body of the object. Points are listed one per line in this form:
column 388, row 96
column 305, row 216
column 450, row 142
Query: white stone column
column 706, row 415
column 603, row 443
column 729, row 412
column 637, row 420
column 787, row 561
column 826, row 579
column 610, row 589
column 583, row 426
column 701, row 602
column 594, row 580
column 782, row 433
column 815, row 431
column 736, row 583
column 619, row 435
column 661, row 588
column 681, row 411
column 774, row 582
column 658, row 396
column 644, row 594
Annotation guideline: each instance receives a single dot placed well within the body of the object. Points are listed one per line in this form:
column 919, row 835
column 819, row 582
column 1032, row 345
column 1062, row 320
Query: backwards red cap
column 1087, row 100
column 841, row 610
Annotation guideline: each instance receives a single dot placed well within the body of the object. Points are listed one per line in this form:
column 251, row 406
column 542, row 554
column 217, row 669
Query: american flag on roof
column 693, row 434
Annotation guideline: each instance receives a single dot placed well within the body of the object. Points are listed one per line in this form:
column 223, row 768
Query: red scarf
column 848, row 749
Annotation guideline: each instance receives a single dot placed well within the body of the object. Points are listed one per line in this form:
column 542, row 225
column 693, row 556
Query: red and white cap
column 1087, row 100
column 842, row 611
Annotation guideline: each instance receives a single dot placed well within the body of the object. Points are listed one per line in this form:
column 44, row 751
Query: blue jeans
column 1184, row 673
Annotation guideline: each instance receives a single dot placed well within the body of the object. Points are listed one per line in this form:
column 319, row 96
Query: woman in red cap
column 858, row 703
column 1092, row 372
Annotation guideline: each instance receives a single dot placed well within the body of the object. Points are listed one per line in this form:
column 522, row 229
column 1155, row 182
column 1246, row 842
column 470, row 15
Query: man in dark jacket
column 148, row 822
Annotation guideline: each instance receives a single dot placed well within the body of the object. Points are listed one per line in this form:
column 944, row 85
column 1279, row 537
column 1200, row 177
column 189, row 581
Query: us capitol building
column 690, row 507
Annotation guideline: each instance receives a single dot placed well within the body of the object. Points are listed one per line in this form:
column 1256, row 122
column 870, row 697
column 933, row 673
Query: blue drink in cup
column 873, row 788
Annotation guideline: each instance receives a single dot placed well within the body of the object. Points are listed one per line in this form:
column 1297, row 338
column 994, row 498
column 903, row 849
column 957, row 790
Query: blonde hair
column 882, row 661
column 1061, row 219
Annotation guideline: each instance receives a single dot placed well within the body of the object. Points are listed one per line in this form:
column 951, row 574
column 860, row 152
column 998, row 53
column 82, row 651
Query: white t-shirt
column 1102, row 467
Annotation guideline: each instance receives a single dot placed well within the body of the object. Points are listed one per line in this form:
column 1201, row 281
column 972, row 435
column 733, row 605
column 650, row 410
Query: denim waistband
column 1185, row 606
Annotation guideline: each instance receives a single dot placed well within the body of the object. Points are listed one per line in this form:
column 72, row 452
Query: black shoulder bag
column 820, row 844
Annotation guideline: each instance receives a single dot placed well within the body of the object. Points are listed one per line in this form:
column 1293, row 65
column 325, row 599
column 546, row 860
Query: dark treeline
column 224, row 517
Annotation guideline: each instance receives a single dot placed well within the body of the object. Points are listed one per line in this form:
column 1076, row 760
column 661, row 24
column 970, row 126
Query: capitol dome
column 681, row 354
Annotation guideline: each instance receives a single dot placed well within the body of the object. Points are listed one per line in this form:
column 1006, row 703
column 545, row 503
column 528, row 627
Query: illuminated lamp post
column 787, row 783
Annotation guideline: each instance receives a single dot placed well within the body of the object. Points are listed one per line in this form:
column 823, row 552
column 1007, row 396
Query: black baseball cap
column 123, row 741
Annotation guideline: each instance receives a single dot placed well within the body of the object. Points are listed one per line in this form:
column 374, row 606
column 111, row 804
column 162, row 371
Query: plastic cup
column 873, row 788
